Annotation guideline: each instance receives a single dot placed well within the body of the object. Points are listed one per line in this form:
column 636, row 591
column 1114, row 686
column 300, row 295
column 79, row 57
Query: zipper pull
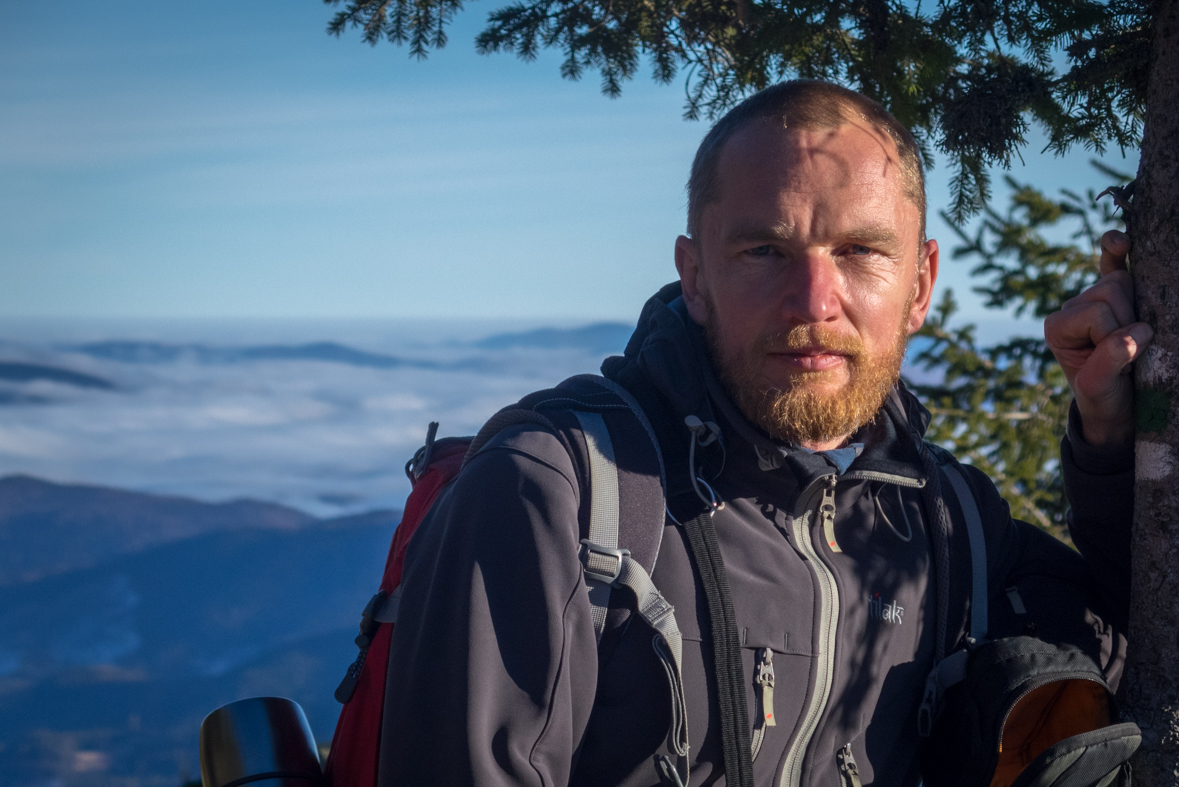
column 827, row 515
column 847, row 766
column 764, row 677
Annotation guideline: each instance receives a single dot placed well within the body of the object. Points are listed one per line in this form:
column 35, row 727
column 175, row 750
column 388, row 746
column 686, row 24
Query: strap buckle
column 950, row 671
column 597, row 561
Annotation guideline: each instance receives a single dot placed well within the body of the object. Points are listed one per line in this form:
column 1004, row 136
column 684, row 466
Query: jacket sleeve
column 1039, row 586
column 1099, row 485
column 493, row 660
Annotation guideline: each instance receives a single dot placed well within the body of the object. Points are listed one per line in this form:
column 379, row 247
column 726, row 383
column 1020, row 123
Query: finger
column 1099, row 379
column 1115, row 246
column 1116, row 290
column 1086, row 323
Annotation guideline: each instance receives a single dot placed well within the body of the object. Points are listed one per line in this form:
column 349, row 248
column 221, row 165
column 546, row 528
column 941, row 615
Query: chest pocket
column 776, row 638
column 776, row 670
column 880, row 519
column 896, row 517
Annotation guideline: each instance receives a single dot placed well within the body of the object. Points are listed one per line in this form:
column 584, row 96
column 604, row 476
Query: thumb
column 1111, row 359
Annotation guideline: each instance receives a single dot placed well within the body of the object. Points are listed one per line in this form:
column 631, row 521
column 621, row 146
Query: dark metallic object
column 1122, row 196
column 262, row 742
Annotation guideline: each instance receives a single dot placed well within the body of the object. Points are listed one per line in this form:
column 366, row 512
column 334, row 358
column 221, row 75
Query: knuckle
column 1116, row 280
column 1118, row 347
column 1095, row 311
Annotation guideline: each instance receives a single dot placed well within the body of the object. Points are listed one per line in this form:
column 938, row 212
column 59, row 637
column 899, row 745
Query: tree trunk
column 1151, row 696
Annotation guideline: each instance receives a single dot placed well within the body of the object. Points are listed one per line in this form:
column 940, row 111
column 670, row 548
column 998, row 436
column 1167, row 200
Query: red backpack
column 354, row 755
column 585, row 412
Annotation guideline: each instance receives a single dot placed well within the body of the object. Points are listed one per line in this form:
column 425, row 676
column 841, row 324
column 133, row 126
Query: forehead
column 852, row 161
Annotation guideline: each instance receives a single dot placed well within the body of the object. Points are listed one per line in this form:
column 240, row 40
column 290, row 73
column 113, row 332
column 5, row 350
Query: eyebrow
column 868, row 235
column 759, row 232
column 871, row 236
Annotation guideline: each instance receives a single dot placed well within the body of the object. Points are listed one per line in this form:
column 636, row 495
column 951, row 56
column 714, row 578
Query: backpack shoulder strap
column 599, row 553
column 607, row 566
column 952, row 669
column 622, row 543
column 611, row 538
column 508, row 416
column 978, row 549
column 636, row 410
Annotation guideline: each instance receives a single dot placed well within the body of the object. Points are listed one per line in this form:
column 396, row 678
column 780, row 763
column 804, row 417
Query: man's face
column 808, row 275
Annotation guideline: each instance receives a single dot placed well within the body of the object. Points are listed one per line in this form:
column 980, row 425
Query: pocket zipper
column 763, row 678
column 848, row 770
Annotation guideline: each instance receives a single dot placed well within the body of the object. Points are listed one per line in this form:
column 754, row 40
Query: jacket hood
column 668, row 349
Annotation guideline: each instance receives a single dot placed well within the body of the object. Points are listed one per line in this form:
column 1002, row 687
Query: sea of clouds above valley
column 321, row 424
column 321, row 418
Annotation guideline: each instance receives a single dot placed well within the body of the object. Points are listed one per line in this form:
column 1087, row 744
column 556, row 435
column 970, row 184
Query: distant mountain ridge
column 194, row 608
column 128, row 351
column 107, row 670
column 20, row 372
column 48, row 528
column 602, row 337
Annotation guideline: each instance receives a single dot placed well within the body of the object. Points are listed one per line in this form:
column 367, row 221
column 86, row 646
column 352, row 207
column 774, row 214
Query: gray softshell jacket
column 495, row 675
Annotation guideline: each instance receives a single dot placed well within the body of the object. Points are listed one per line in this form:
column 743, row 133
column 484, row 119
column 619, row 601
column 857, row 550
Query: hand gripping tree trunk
column 1152, row 681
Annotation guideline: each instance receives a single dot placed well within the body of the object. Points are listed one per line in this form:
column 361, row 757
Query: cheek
column 879, row 311
column 743, row 316
column 870, row 300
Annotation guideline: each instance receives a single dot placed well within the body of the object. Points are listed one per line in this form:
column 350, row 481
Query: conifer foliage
column 1004, row 407
column 965, row 75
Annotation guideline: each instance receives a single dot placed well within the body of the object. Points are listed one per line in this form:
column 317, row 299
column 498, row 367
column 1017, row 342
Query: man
column 805, row 269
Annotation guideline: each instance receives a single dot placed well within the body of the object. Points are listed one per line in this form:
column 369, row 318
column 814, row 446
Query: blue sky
column 229, row 159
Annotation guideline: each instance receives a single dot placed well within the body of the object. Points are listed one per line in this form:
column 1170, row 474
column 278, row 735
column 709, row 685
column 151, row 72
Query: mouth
column 816, row 359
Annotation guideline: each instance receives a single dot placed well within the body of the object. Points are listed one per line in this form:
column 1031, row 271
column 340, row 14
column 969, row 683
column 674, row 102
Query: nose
column 811, row 290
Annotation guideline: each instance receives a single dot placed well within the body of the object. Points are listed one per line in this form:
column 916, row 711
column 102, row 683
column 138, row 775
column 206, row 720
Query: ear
column 923, row 286
column 687, row 262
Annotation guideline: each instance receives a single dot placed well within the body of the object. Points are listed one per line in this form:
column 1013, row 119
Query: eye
column 859, row 250
column 760, row 251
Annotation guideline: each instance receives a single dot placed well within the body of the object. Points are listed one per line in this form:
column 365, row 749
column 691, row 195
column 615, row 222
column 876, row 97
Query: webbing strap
column 726, row 649
column 654, row 609
column 978, row 552
column 636, row 410
column 601, row 556
column 952, row 669
column 606, row 566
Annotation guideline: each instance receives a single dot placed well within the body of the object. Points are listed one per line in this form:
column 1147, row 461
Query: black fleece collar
column 669, row 349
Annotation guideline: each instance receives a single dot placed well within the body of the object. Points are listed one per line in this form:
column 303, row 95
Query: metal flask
column 262, row 742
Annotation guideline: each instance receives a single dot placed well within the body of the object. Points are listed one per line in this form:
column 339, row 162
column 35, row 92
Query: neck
column 838, row 442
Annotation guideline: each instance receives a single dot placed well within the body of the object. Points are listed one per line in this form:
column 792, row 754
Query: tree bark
column 1151, row 695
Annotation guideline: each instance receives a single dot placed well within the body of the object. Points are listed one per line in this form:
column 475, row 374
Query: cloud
column 323, row 431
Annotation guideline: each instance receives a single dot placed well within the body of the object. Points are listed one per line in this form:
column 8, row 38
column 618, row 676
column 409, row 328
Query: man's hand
column 1095, row 336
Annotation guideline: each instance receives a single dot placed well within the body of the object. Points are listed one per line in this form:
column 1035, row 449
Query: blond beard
column 804, row 413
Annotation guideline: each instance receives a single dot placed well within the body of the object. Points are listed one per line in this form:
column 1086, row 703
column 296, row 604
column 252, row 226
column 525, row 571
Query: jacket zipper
column 848, row 770
column 825, row 658
column 763, row 677
column 887, row 478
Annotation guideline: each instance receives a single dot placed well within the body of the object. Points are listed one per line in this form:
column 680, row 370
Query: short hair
column 801, row 105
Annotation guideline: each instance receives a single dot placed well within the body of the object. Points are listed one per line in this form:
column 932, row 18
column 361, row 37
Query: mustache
column 810, row 337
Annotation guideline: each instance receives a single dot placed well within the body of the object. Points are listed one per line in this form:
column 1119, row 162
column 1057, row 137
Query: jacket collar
column 669, row 350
